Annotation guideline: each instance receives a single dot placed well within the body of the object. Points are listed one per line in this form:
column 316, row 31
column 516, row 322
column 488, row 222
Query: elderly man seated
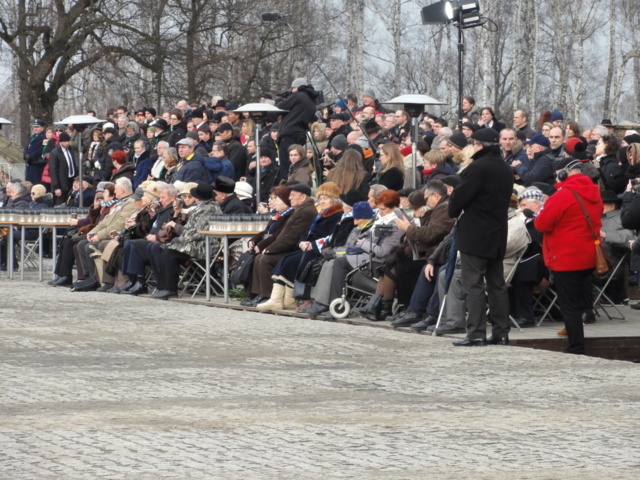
column 189, row 244
column 135, row 256
column 106, row 230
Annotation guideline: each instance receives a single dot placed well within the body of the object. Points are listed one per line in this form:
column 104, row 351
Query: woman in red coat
column 568, row 246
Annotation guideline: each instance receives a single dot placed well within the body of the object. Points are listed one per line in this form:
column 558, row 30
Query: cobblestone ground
column 103, row 386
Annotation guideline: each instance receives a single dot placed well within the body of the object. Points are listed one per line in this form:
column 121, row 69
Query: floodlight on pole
column 463, row 14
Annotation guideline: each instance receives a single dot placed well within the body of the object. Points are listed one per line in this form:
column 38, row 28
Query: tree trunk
column 612, row 61
column 24, row 120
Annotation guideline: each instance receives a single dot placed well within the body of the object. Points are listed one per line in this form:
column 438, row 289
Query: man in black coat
column 230, row 204
column 62, row 169
column 481, row 203
column 301, row 107
column 33, row 153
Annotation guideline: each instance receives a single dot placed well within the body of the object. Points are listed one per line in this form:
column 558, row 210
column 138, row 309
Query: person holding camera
column 301, row 106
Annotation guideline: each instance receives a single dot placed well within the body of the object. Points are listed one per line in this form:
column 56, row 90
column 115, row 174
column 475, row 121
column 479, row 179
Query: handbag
column 301, row 289
column 241, row 274
column 603, row 264
column 311, row 271
column 165, row 234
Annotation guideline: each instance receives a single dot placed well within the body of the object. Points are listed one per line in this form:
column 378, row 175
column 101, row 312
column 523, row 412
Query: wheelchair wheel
column 340, row 308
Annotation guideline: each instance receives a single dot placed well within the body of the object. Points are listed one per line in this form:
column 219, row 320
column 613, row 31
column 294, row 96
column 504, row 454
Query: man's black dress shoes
column 470, row 342
column 497, row 340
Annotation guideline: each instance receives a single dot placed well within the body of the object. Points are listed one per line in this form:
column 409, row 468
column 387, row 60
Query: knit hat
column 39, row 190
column 342, row 103
column 301, row 187
column 362, row 210
column 243, row 190
column 570, row 144
column 298, row 82
column 531, row 193
column 339, row 142
column 329, row 189
column 417, row 200
column 486, row 135
column 556, row 115
column 64, row 137
column 369, row 93
column 110, row 130
column 224, row 127
column 458, row 140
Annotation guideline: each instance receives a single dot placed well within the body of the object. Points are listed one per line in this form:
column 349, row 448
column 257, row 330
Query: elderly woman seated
column 374, row 245
column 285, row 271
column 362, row 215
column 279, row 203
column 303, row 215
column 189, row 244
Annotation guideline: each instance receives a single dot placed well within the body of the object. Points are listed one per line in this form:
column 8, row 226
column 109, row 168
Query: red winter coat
column 568, row 244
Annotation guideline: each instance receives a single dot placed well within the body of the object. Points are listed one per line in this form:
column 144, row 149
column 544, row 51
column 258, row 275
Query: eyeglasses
column 33, row 193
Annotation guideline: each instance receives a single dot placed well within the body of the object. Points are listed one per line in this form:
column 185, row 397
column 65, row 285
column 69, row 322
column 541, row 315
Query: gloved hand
column 353, row 250
column 329, row 254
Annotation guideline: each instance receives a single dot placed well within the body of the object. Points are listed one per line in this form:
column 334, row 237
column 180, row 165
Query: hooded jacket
column 568, row 244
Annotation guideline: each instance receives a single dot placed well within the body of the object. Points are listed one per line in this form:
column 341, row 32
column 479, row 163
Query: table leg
column 40, row 252
column 226, row 267
column 54, row 250
column 22, row 254
column 207, row 264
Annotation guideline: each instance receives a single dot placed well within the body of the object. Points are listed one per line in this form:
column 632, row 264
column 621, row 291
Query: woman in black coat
column 488, row 120
column 611, row 173
column 392, row 173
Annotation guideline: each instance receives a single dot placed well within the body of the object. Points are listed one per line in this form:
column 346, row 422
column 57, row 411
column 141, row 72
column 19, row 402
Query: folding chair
column 194, row 277
column 600, row 292
column 548, row 297
column 508, row 279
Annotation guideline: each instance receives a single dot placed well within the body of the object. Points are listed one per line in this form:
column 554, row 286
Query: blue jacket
column 217, row 167
column 143, row 169
column 191, row 170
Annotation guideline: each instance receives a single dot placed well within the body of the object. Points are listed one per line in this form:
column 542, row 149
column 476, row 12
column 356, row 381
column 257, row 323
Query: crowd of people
column 491, row 214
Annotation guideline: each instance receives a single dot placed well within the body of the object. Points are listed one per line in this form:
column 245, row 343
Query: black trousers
column 575, row 295
column 475, row 271
column 169, row 269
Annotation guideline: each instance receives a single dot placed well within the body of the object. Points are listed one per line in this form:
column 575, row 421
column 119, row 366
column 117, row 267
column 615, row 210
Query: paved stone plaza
column 104, row 386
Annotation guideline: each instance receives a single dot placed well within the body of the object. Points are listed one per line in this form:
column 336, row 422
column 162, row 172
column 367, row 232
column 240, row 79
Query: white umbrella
column 4, row 121
column 80, row 120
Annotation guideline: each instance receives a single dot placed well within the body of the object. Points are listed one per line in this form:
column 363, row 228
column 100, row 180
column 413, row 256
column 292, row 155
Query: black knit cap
column 486, row 135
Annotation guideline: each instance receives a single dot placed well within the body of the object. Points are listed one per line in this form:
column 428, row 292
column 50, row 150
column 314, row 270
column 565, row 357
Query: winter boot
column 276, row 301
column 289, row 302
